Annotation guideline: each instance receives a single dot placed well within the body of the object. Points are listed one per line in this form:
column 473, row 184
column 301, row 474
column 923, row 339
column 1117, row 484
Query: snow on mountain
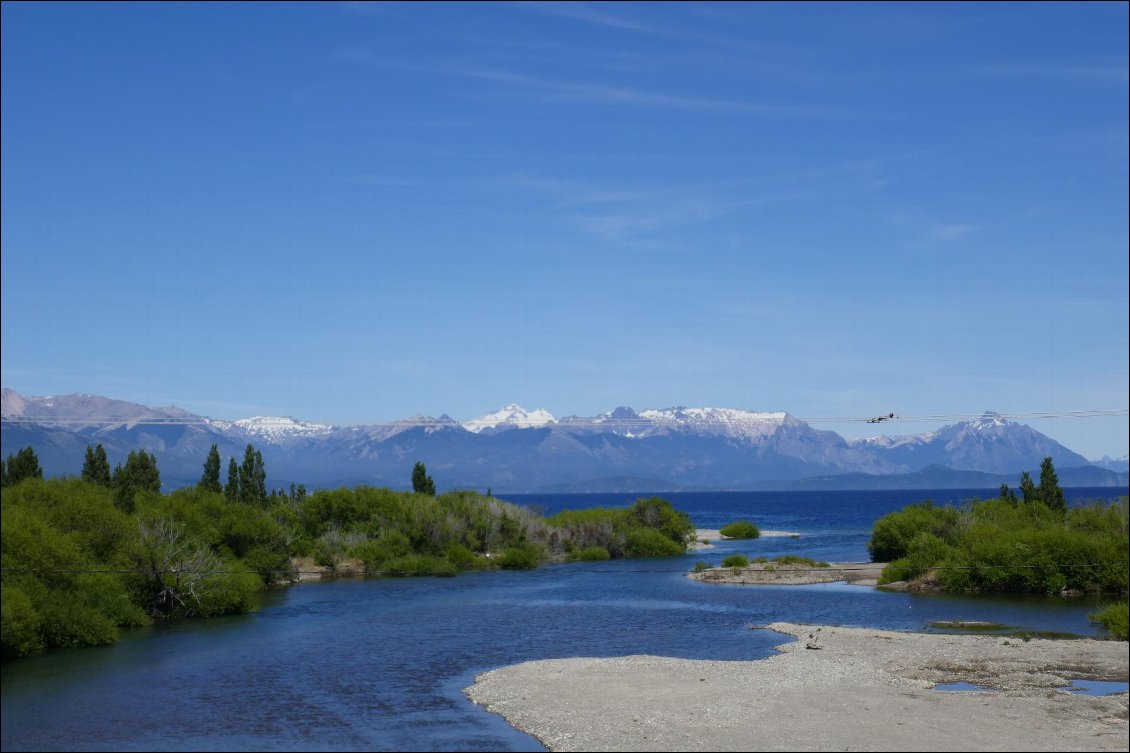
column 730, row 422
column 1113, row 464
column 277, row 428
column 886, row 442
column 717, row 447
column 511, row 417
column 988, row 421
column 989, row 443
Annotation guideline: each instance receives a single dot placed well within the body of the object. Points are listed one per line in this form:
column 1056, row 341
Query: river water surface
column 381, row 664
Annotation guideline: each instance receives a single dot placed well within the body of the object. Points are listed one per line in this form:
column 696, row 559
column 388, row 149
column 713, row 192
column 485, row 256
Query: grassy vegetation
column 79, row 563
column 742, row 529
column 1007, row 545
column 792, row 559
column 735, row 560
column 649, row 528
column 591, row 554
column 1115, row 618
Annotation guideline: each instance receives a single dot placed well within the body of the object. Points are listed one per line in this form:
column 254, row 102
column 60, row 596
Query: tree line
column 84, row 557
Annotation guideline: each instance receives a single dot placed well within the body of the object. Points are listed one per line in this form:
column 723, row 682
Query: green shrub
column 997, row 545
column 19, row 624
column 648, row 542
column 893, row 533
column 742, row 529
column 418, row 564
column 592, row 554
column 735, row 560
column 660, row 515
column 460, row 556
column 1114, row 617
column 925, row 552
column 700, row 566
column 521, row 557
column 792, row 559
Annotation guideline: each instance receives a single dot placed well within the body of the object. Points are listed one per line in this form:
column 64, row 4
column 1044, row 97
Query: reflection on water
column 1097, row 687
column 380, row 664
column 963, row 686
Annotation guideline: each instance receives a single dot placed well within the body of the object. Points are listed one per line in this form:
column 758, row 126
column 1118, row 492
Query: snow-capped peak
column 989, row 420
column 277, row 428
column 731, row 422
column 511, row 416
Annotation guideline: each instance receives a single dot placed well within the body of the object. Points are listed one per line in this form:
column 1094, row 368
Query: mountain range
column 514, row 450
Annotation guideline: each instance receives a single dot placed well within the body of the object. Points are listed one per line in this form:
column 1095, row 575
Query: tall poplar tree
column 1049, row 491
column 231, row 489
column 24, row 464
column 96, row 467
column 139, row 474
column 1028, row 489
column 252, row 477
column 210, row 481
column 422, row 483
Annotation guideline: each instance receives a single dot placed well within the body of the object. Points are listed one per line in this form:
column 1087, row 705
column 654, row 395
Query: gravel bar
column 832, row 689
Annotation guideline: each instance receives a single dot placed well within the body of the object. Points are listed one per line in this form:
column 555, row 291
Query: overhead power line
column 753, row 419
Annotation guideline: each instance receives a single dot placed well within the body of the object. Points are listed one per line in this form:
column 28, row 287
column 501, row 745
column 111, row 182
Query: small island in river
column 793, row 573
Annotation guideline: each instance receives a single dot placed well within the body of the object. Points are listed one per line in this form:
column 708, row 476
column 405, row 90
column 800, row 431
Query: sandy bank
column 863, row 690
column 771, row 573
column 713, row 534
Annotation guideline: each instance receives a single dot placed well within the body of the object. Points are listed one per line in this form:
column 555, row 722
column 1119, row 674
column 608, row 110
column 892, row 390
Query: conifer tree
column 96, row 467
column 252, row 477
column 25, row 464
column 1028, row 489
column 422, row 483
column 1049, row 491
column 231, row 489
column 139, row 474
column 210, row 481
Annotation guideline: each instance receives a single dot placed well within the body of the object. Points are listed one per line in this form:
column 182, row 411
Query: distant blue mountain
column 513, row 450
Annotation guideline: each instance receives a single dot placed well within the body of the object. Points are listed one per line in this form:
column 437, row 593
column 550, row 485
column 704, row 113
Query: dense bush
column 52, row 535
column 1004, row 545
column 892, row 534
column 735, row 560
column 647, row 542
column 521, row 557
column 649, row 528
column 742, row 529
column 660, row 515
column 77, row 567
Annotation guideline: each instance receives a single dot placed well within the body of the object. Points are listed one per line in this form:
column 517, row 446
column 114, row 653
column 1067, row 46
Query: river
column 380, row 664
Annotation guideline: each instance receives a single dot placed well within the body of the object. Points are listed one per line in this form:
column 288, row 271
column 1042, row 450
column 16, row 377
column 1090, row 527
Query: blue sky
column 357, row 212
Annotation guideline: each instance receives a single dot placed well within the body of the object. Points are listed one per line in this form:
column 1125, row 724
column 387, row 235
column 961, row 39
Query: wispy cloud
column 1108, row 74
column 681, row 29
column 560, row 90
column 950, row 231
column 632, row 214
column 589, row 15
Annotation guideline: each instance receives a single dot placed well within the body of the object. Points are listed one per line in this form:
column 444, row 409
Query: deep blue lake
column 380, row 664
